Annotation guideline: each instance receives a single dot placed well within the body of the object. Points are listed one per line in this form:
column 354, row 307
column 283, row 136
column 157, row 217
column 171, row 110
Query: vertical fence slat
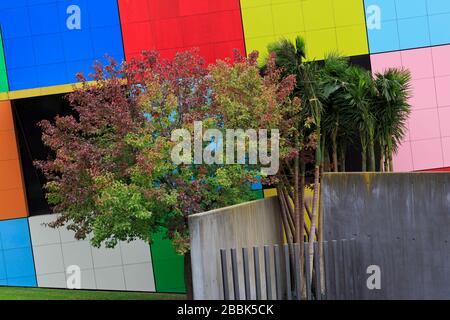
column 268, row 272
column 354, row 269
column 346, row 285
column 257, row 273
column 278, row 278
column 307, row 272
column 297, row 272
column 317, row 277
column 223, row 261
column 287, row 264
column 237, row 295
column 326, row 256
column 337, row 289
column 246, row 274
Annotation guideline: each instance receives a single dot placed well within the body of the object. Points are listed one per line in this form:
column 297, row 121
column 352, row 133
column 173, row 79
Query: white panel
column 110, row 278
column 88, row 280
column 78, row 254
column 135, row 252
column 139, row 277
column 104, row 257
column 48, row 259
column 40, row 234
column 56, row 280
column 68, row 235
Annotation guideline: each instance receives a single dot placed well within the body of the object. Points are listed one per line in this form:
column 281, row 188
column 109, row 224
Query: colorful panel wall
column 407, row 24
column 169, row 26
column 16, row 257
column 3, row 76
column 326, row 25
column 12, row 195
column 128, row 267
column 168, row 266
column 414, row 35
column 47, row 43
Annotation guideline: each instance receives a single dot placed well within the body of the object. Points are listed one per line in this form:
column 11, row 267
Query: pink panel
column 419, row 62
column 403, row 159
column 444, row 118
column 427, row 154
column 423, row 94
column 443, row 91
column 441, row 61
column 446, row 151
column 385, row 61
column 424, row 124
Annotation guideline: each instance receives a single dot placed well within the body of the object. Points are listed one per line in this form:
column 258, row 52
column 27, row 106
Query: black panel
column 363, row 61
column 27, row 113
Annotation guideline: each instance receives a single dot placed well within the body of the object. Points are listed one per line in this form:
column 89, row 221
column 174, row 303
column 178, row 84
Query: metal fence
column 276, row 272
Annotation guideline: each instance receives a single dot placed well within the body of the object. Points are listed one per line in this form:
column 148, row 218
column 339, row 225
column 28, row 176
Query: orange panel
column 12, row 204
column 6, row 119
column 12, row 195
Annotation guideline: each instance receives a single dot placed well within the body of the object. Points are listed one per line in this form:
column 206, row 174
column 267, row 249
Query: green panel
column 3, row 76
column 259, row 194
column 168, row 266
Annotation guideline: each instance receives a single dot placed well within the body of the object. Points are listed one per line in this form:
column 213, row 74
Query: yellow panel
column 352, row 40
column 267, row 21
column 288, row 18
column 268, row 193
column 318, row 14
column 254, row 3
column 19, row 94
column 258, row 21
column 320, row 42
column 349, row 12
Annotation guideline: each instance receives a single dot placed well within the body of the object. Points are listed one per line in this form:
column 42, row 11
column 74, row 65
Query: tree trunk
column 372, row 162
column 343, row 151
column 297, row 207
column 321, row 250
column 335, row 152
column 188, row 276
column 312, row 231
column 364, row 160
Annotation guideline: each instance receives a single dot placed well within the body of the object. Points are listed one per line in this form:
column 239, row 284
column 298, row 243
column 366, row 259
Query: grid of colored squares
column 407, row 24
column 427, row 144
column 326, row 25
column 34, row 255
column 47, row 43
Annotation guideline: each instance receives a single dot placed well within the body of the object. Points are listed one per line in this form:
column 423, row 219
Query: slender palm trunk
column 335, row 151
column 342, row 152
column 372, row 162
column 297, row 205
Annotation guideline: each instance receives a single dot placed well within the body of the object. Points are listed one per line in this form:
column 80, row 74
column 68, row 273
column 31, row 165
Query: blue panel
column 438, row 6
column 387, row 8
column 414, row 33
column 19, row 263
column 16, row 255
column 14, row 234
column 440, row 28
column 51, row 74
column 42, row 19
column 38, row 40
column 42, row 52
column 411, row 8
column 15, row 23
column 22, row 282
column 385, row 39
column 19, row 52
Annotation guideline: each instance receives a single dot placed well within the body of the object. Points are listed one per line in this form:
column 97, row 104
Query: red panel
column 438, row 170
column 214, row 26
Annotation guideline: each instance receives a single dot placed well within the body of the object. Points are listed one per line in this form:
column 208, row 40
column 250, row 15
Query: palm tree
column 336, row 127
column 392, row 110
column 360, row 93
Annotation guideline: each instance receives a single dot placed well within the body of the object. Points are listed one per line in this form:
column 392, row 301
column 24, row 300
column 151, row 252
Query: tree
column 111, row 173
column 392, row 112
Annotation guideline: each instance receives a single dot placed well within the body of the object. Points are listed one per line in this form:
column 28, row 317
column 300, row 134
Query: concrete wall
column 401, row 223
column 128, row 267
column 251, row 224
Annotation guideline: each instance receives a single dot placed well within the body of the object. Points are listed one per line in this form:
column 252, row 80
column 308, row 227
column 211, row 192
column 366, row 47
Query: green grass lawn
column 7, row 293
